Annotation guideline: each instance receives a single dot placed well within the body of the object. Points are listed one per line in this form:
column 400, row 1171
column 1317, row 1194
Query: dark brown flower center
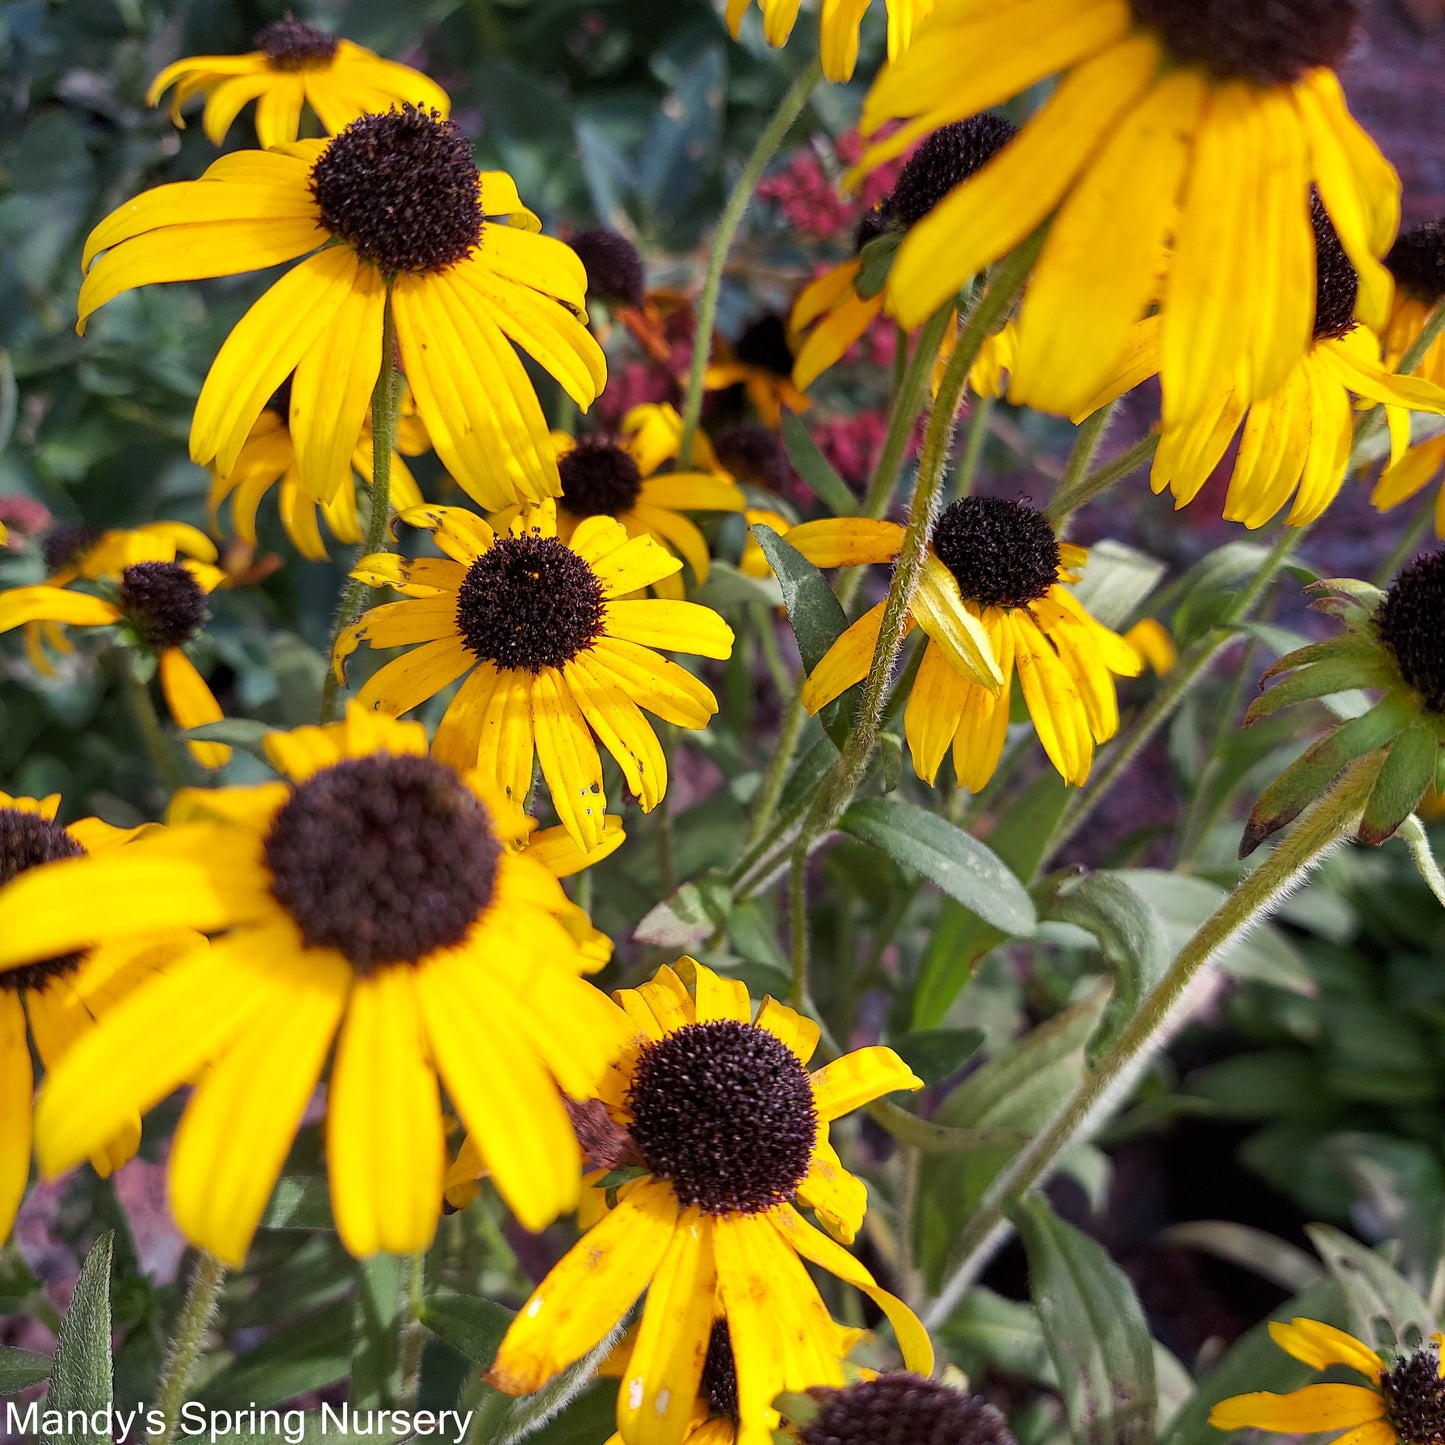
column 1414, row 1398
column 1417, row 262
column 1269, row 42
column 719, row 1373
column 754, row 454
column 292, row 44
column 1337, row 283
column 383, row 858
column 903, row 1409
column 65, row 545
column 1001, row 553
column 1411, row 624
column 946, row 159
column 724, row 1111
column 26, row 841
column 401, row 189
column 529, row 603
column 162, row 602
column 764, row 344
column 599, row 479
column 614, row 269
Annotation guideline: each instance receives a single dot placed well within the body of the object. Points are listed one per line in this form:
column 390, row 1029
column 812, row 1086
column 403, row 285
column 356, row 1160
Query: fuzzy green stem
column 1414, row 837
column 789, row 109
column 979, row 417
column 197, row 1313
column 1072, row 495
column 413, row 1332
column 1087, row 438
column 169, row 770
column 798, row 926
column 1159, row 1015
column 385, row 396
column 775, row 779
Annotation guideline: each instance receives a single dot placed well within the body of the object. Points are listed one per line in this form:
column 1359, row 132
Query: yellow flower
column 1295, row 443
column 1174, row 158
column 711, row 1237
column 838, row 27
column 602, row 477
column 61, row 995
column 761, row 361
column 369, row 899
column 269, row 456
column 293, row 64
column 159, row 601
column 394, row 206
column 1156, row 649
column 1402, row 1402
column 1417, row 262
column 991, row 605
column 552, row 648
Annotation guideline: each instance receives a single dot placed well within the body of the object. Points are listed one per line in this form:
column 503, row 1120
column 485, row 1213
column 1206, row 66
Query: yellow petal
column 409, row 680
column 1301, row 1412
column 54, row 604
column 935, row 707
column 191, row 704
column 621, row 728
column 1319, row 1346
column 846, row 662
column 858, row 1078
column 847, row 541
column 657, row 683
column 568, row 759
column 16, row 1085
column 953, row 626
column 677, row 626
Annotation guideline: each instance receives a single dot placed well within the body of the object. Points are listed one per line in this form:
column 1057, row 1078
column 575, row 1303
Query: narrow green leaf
column 1384, row 1308
column 376, row 1347
column 468, row 1323
column 957, row 862
column 690, row 915
column 1267, row 1255
column 21, row 1368
column 1318, row 679
column 237, row 732
column 934, row 1054
column 1408, row 770
column 81, row 1376
column 815, row 469
column 301, row 1202
column 1094, row 1327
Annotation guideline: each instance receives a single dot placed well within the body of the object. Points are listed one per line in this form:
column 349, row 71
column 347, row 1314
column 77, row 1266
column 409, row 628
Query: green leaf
column 815, row 469
column 1265, row 1254
column 956, row 861
column 1131, row 938
column 469, row 1324
column 1408, row 770
column 1116, row 582
column 299, row 1202
column 934, row 1054
column 237, row 732
column 877, row 258
column 376, row 1348
column 1320, row 679
column 21, row 1368
column 305, row 1354
column 727, row 587
column 81, row 1376
column 988, row 1329
column 1094, row 1328
column 1384, row 1308
column 693, row 913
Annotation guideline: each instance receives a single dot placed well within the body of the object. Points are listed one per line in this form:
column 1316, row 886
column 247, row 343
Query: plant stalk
column 163, row 758
column 197, row 1313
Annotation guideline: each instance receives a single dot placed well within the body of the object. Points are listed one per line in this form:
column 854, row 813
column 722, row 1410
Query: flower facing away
column 838, row 27
column 833, row 306
column 1175, row 158
column 618, row 477
column 733, row 1134
column 761, row 362
column 393, row 206
column 1417, row 262
column 157, row 601
column 1295, row 445
column 1404, row 1403
column 61, row 994
column 552, row 648
column 293, row 65
column 991, row 604
column 371, row 898
column 899, row 1406
column 1393, row 642
column 269, row 459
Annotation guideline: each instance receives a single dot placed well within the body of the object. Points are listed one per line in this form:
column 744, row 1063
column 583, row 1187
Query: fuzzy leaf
column 468, row 1323
column 81, row 1376
column 1384, row 1308
column 1408, row 770
column 21, row 1368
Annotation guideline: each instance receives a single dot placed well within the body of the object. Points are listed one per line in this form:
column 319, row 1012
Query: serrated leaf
column 690, row 915
column 299, row 1202
column 1095, row 1330
column 469, row 1324
column 957, row 862
column 815, row 469
column 81, row 1375
column 21, row 1368
column 1384, row 1308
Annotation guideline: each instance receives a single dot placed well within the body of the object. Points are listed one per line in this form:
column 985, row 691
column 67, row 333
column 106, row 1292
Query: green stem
column 197, row 1313
column 789, row 109
column 1087, row 438
column 413, row 1332
column 798, row 926
column 979, row 417
column 774, row 781
column 385, row 396
column 1071, row 496
column 1414, row 837
column 1159, row 1015
column 163, row 757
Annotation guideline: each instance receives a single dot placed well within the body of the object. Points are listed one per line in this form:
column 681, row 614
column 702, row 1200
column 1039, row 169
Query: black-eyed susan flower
column 60, row 995
column 761, row 362
column 393, row 207
column 733, row 1133
column 157, row 601
column 992, row 605
column 369, row 900
column 1175, row 158
column 1403, row 1404
column 1294, row 445
column 900, row 1405
column 1417, row 262
column 268, row 459
column 838, row 27
column 619, row 477
column 552, row 649
column 293, row 65
column 831, row 309
column 1392, row 643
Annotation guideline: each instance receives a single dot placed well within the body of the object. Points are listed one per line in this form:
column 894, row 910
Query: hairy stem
column 1084, row 488
column 197, row 1313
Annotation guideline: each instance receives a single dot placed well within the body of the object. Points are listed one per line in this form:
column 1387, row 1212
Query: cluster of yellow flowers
column 1195, row 202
